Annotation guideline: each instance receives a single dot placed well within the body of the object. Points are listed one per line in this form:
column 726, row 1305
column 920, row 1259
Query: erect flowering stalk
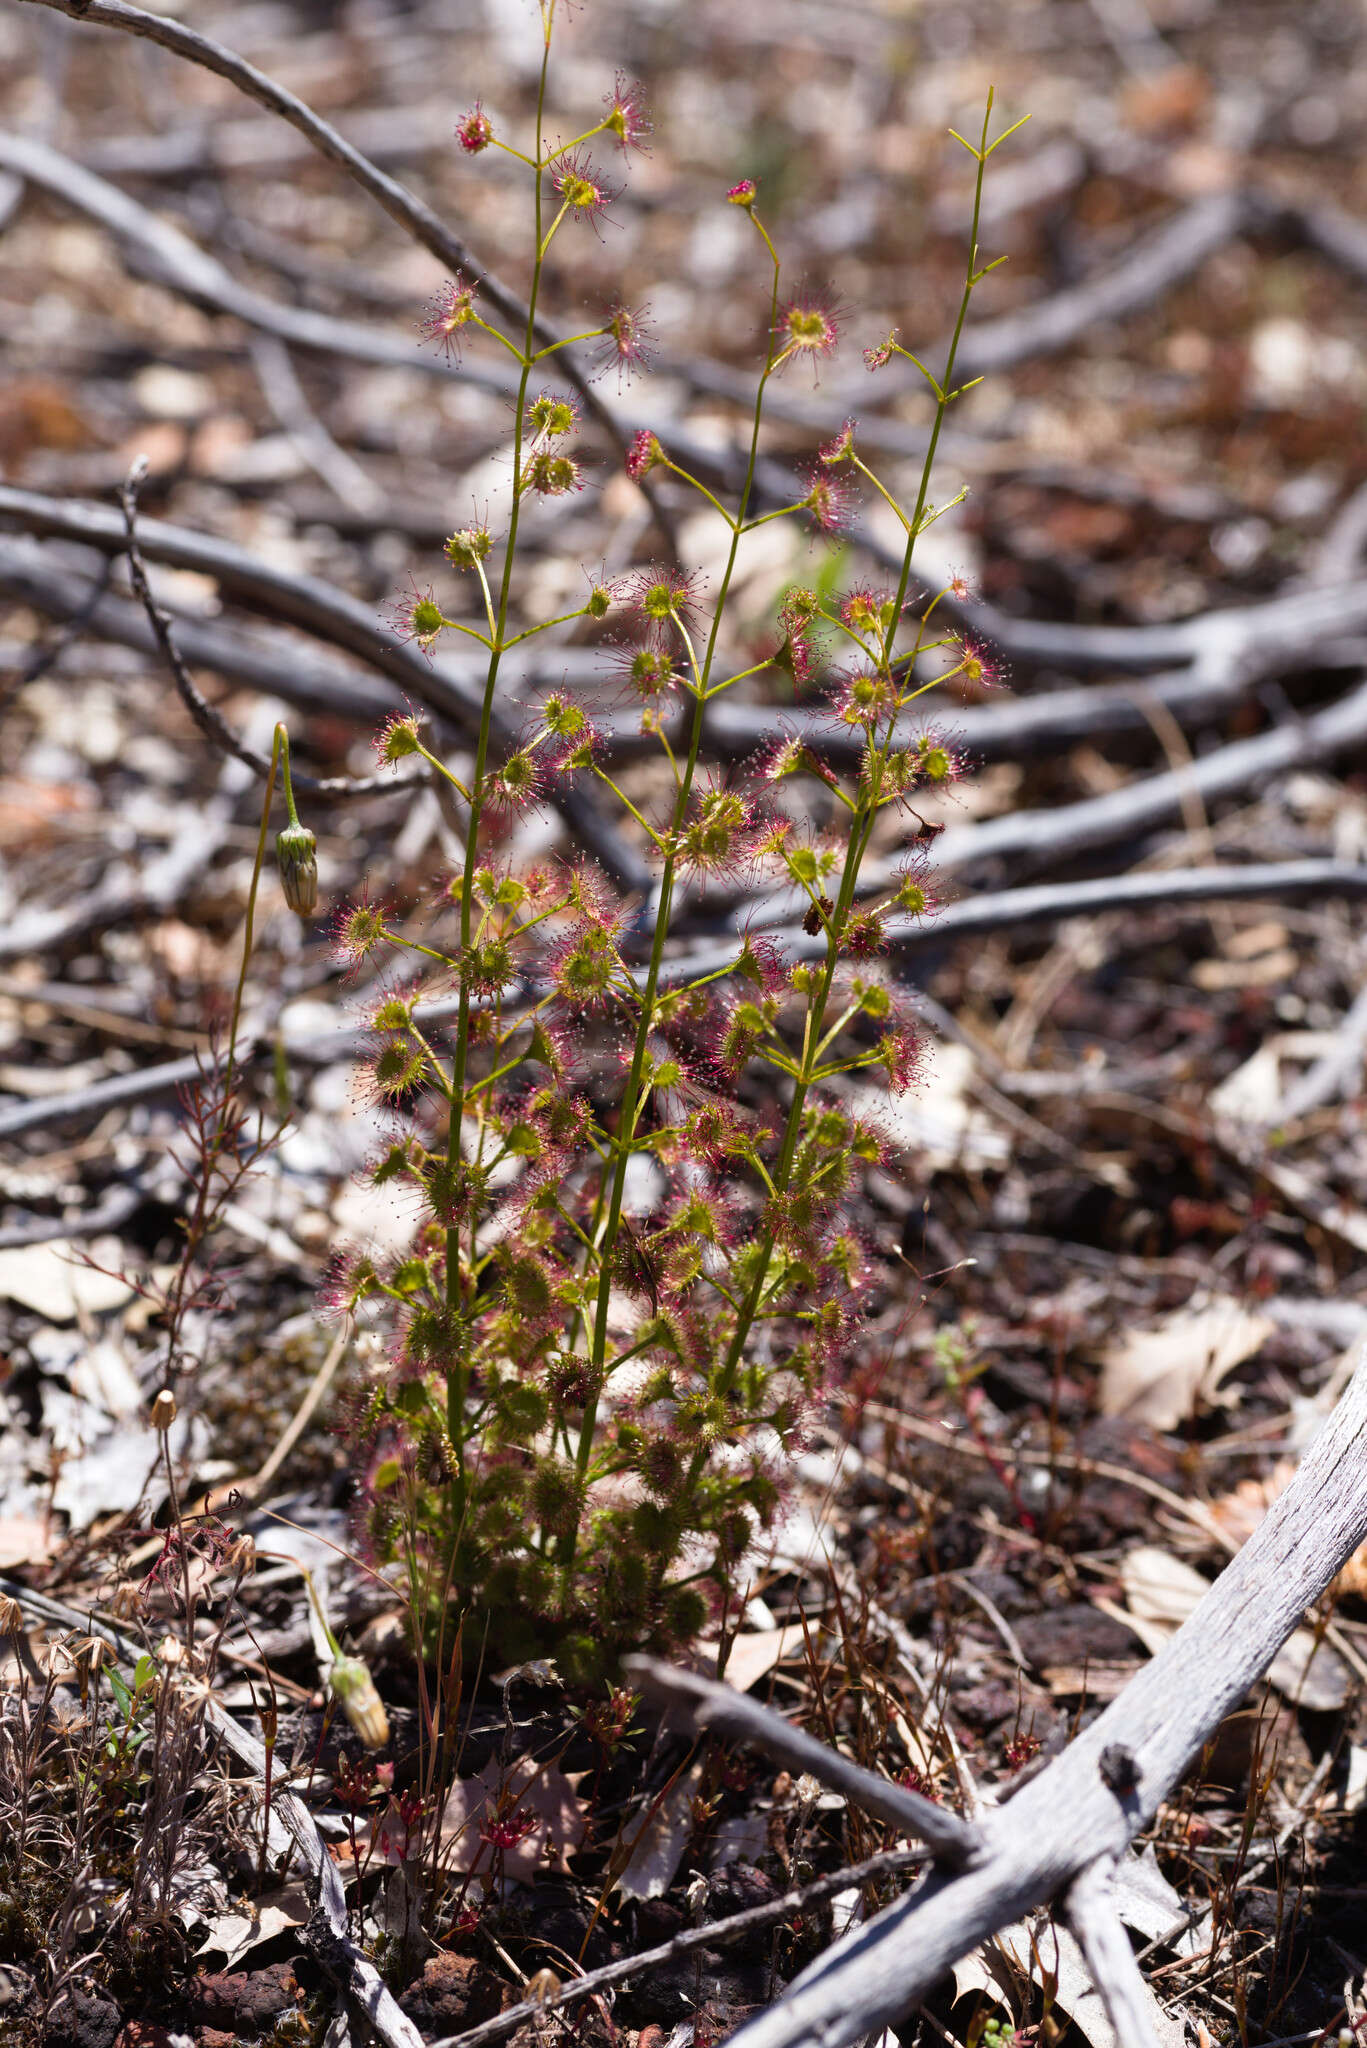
column 577, row 1435
column 865, row 814
column 634, row 1098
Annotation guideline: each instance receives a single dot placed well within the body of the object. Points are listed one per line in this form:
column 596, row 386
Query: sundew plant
column 591, row 1406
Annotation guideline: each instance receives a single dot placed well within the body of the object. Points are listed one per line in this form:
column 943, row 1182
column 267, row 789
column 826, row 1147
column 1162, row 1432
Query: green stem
column 862, row 826
column 632, row 1097
column 458, row 1380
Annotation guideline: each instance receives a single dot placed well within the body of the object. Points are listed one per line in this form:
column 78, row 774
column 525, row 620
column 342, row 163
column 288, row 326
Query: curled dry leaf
column 1161, row 1591
column 1048, row 1956
column 233, row 1934
column 1158, row 1376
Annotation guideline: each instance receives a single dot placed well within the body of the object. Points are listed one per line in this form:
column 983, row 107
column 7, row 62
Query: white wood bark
column 1036, row 1846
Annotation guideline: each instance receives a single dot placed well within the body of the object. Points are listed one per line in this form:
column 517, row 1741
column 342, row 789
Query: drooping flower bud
column 296, row 854
column 353, row 1687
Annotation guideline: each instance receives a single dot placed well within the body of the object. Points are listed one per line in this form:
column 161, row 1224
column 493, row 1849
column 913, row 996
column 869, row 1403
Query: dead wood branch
column 1090, row 1801
column 1339, row 1070
column 1298, row 620
column 284, row 394
column 733, row 1928
column 326, row 1933
column 161, row 252
column 1005, row 910
column 997, row 731
column 329, row 614
column 1007, row 729
column 1091, row 1914
column 211, row 723
column 1046, row 902
column 1039, row 837
column 706, row 1703
column 1159, row 261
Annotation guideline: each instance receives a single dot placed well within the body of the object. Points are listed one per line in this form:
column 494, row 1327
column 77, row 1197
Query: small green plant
column 130, row 1726
column 633, row 1272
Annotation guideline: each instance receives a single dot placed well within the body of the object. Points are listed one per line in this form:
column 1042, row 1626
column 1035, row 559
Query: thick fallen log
column 1056, row 1840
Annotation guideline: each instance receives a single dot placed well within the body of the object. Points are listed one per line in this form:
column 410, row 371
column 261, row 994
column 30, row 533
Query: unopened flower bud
column 468, row 546
column 352, row 1685
column 542, row 1987
column 743, row 194
column 163, row 1411
column 644, row 454
column 296, row 853
column 474, row 131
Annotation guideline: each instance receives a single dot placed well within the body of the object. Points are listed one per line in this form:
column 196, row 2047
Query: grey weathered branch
column 1038, row 837
column 330, row 615
column 1337, row 1070
column 1005, row 910
column 707, row 1703
column 170, row 258
column 1158, row 261
column 1296, row 621
column 1089, row 1802
column 1006, row 728
column 1089, row 1907
column 1025, row 840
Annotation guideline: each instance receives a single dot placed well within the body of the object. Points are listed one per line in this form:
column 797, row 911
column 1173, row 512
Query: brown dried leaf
column 1158, row 1376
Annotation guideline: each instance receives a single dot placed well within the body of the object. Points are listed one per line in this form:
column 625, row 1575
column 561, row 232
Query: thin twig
column 736, row 1925
column 211, row 722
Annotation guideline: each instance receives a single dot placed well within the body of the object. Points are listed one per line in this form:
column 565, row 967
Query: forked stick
column 1084, row 1808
